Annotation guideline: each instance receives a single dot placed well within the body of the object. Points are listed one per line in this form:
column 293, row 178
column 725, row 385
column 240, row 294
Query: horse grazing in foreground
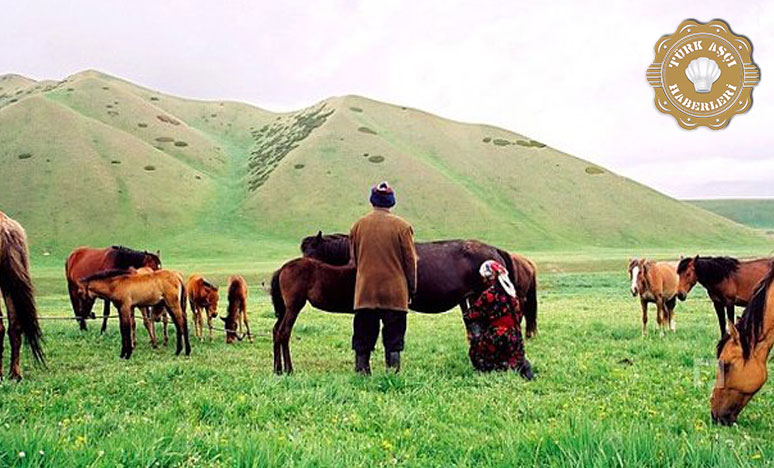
column 729, row 282
column 203, row 297
column 237, row 309
column 16, row 289
column 128, row 290
column 655, row 282
column 86, row 261
column 439, row 255
column 441, row 285
column 742, row 354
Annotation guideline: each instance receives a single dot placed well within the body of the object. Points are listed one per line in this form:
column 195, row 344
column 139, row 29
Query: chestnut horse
column 441, row 285
column 728, row 281
column 237, row 309
column 334, row 249
column 203, row 297
column 86, row 261
column 655, row 282
column 742, row 354
column 16, row 289
column 128, row 290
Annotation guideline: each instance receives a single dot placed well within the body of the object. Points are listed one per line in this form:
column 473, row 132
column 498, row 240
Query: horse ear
column 734, row 333
column 222, row 318
column 319, row 235
column 158, row 253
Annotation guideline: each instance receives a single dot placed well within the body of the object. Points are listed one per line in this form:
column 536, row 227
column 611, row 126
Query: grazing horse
column 203, row 297
column 151, row 315
column 16, row 289
column 728, row 281
column 742, row 354
column 441, row 255
column 441, row 285
column 655, row 282
column 127, row 291
column 86, row 261
column 237, row 309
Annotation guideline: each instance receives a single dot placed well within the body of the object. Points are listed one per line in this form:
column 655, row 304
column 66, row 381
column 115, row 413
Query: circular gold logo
column 703, row 74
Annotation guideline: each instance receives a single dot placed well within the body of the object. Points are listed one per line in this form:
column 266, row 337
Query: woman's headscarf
column 492, row 269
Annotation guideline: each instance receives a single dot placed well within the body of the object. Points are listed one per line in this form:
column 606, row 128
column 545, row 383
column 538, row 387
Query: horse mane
column 126, row 257
column 329, row 248
column 750, row 324
column 208, row 284
column 710, row 270
column 105, row 274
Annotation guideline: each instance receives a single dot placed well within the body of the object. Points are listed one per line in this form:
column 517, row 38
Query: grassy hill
column 94, row 159
column 756, row 213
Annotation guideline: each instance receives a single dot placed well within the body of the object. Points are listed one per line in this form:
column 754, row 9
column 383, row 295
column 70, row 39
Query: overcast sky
column 571, row 74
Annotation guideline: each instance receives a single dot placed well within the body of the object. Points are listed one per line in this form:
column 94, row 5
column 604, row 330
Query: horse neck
column 762, row 349
column 104, row 287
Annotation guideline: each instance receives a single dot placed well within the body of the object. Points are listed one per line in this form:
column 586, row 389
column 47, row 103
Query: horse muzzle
column 682, row 296
column 634, row 292
column 727, row 419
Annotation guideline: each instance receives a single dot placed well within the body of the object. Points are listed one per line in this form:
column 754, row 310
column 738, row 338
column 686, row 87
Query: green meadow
column 604, row 395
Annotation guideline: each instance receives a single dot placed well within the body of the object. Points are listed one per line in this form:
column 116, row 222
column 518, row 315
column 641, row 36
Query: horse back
column 85, row 261
column 748, row 276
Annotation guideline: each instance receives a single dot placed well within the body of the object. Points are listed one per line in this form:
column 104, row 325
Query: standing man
column 386, row 261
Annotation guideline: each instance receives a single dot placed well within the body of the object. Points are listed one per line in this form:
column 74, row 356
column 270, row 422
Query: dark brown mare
column 441, row 285
column 728, row 281
column 86, row 261
column 439, row 255
column 16, row 288
column 127, row 290
column 742, row 354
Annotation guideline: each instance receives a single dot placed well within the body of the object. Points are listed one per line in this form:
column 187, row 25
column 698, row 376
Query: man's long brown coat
column 383, row 251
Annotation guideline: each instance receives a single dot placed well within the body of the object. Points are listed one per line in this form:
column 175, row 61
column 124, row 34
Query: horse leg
column 147, row 320
column 2, row 341
column 134, row 330
column 105, row 315
column 277, row 346
column 721, row 317
column 15, row 337
column 165, row 320
column 198, row 323
column 670, row 304
column 247, row 323
column 730, row 313
column 77, row 303
column 86, row 305
column 287, row 327
column 644, row 305
column 661, row 315
column 125, row 320
column 209, row 324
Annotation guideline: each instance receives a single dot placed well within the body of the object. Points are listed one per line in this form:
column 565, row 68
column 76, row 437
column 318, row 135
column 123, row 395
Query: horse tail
column 276, row 295
column 16, row 284
column 531, row 307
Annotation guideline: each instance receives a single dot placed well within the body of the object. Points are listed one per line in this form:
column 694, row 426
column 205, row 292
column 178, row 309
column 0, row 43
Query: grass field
column 604, row 395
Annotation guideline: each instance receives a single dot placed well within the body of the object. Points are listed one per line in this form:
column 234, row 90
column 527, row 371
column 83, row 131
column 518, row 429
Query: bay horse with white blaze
column 16, row 289
column 729, row 282
column 655, row 283
column 742, row 354
column 86, row 261
column 127, row 291
column 441, row 285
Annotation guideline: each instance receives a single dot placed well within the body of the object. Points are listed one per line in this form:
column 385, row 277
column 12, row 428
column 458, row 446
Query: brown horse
column 203, row 297
column 127, row 291
column 441, row 289
column 237, row 309
column 728, row 281
column 151, row 315
column 86, row 261
column 655, row 282
column 742, row 354
column 441, row 285
column 16, row 289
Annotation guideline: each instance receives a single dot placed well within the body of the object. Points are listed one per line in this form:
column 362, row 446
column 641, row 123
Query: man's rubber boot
column 363, row 364
column 393, row 361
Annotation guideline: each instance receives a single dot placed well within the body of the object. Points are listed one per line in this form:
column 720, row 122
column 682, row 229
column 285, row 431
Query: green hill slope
column 756, row 213
column 94, row 159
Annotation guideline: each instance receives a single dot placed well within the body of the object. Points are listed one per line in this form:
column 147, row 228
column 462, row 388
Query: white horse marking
column 635, row 272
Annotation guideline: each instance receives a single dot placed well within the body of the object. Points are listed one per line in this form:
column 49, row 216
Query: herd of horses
column 447, row 277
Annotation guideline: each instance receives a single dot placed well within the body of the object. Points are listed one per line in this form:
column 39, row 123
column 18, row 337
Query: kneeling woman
column 493, row 322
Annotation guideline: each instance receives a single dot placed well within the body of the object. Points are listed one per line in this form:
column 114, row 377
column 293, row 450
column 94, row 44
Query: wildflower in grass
column 386, row 445
column 22, row 454
column 756, row 456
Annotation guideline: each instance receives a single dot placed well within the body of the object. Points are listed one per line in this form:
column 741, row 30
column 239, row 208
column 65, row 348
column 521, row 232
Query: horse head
column 152, row 260
column 635, row 269
column 737, row 379
column 686, row 270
